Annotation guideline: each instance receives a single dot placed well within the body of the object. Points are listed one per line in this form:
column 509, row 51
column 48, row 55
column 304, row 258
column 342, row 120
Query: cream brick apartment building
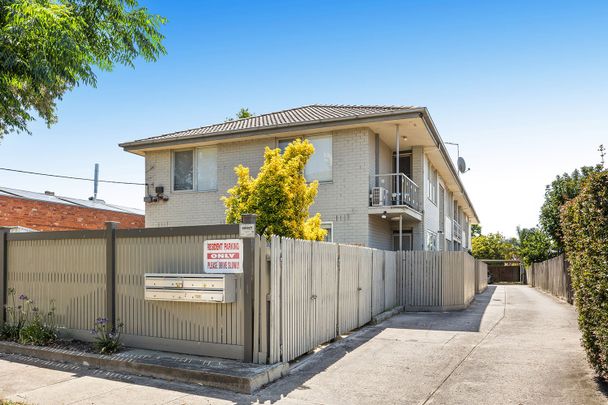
column 369, row 194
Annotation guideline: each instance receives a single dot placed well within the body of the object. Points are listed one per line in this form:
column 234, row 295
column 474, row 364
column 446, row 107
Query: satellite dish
column 462, row 165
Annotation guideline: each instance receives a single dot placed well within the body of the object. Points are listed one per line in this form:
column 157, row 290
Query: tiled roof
column 295, row 116
column 51, row 198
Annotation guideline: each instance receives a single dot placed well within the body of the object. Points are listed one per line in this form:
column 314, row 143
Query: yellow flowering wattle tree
column 279, row 195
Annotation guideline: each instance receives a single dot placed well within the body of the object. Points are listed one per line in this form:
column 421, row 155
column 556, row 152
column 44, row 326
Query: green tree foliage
column 493, row 246
column 242, row 113
column 561, row 190
column 48, row 47
column 584, row 221
column 279, row 195
column 534, row 245
column 475, row 230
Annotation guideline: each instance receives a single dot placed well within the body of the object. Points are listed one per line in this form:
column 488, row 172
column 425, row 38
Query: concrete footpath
column 514, row 345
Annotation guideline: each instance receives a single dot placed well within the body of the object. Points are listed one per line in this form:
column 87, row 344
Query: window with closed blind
column 320, row 164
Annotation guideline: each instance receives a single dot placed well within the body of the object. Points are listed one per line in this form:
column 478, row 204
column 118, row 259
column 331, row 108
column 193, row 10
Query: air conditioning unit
column 379, row 197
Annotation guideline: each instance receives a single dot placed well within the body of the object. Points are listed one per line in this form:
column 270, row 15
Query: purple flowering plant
column 107, row 337
column 16, row 316
column 26, row 323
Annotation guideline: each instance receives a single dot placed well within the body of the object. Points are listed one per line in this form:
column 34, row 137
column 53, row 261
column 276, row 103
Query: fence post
column 111, row 272
column 3, row 274
column 338, row 293
column 249, row 262
column 384, row 279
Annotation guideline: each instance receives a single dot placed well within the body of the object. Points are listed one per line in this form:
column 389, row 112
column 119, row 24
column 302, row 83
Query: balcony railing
column 457, row 231
column 394, row 189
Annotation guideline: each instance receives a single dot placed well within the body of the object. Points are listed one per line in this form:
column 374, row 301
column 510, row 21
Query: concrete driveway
column 514, row 345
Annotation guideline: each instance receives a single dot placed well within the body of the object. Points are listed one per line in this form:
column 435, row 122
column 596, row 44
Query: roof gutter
column 430, row 125
column 270, row 129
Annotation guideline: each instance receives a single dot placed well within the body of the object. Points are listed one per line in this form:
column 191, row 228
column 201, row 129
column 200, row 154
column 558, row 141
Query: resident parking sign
column 223, row 256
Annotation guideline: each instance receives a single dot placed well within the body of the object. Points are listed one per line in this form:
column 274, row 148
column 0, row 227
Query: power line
column 72, row 177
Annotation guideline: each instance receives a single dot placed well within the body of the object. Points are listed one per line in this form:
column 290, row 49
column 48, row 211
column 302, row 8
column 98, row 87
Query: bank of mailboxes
column 218, row 288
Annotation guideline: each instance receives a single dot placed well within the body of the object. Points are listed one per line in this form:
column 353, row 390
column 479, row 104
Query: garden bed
column 27, row 324
column 213, row 372
column 73, row 345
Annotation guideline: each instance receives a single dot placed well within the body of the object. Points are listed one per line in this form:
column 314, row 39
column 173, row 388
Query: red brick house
column 48, row 212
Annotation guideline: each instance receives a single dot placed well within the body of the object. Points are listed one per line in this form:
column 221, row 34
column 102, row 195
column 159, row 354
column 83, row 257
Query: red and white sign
column 224, row 256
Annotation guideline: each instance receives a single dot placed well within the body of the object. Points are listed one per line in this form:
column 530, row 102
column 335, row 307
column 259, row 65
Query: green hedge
column 584, row 223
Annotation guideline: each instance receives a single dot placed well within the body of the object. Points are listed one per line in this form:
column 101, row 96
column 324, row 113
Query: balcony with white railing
column 393, row 190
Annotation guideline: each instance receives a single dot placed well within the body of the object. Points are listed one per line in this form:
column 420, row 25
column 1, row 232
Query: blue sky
column 520, row 85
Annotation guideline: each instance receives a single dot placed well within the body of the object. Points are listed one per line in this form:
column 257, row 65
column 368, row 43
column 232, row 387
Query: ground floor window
column 329, row 227
column 431, row 241
column 448, row 245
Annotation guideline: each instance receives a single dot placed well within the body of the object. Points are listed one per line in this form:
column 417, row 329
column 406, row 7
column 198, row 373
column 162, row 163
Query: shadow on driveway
column 305, row 368
column 466, row 320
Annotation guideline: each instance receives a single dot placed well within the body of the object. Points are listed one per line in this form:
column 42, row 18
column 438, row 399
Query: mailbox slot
column 215, row 288
column 164, row 295
column 160, row 282
column 204, row 296
column 214, row 283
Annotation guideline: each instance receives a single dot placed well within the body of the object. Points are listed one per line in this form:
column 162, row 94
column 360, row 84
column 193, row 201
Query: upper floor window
column 320, row 164
column 195, row 169
column 456, row 212
column 183, row 168
column 432, row 182
column 206, row 171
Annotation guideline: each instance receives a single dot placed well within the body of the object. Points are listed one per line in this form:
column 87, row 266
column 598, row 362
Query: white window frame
column 291, row 139
column 173, row 152
column 329, row 226
column 216, row 168
column 194, row 170
column 432, row 180
column 430, row 235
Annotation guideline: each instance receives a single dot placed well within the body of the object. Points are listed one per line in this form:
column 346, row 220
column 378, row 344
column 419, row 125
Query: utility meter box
column 216, row 288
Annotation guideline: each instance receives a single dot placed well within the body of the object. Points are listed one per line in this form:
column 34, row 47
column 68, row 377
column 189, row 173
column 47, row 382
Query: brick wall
column 199, row 207
column 418, row 175
column 343, row 201
column 45, row 216
column 431, row 209
column 381, row 232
